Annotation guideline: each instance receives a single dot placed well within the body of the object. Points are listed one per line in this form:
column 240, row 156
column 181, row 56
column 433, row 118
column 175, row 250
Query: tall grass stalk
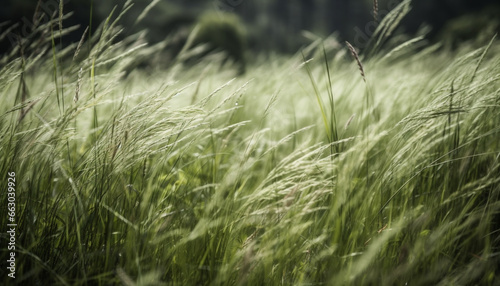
column 136, row 183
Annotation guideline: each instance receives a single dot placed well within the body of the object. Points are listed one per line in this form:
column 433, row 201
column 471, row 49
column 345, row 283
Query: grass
column 183, row 176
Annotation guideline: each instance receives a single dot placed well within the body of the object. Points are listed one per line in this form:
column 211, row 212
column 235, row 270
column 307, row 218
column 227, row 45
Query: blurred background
column 270, row 25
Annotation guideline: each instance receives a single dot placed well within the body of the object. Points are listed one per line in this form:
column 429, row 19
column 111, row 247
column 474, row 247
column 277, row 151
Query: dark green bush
column 223, row 32
column 475, row 28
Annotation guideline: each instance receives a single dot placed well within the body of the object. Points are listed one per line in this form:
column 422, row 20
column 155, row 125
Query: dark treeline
column 270, row 25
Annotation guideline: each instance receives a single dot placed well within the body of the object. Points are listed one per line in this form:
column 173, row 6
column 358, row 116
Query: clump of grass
column 240, row 185
column 387, row 27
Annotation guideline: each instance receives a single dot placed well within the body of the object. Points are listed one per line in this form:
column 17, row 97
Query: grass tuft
column 188, row 176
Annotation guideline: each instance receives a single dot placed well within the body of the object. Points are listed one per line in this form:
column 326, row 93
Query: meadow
column 326, row 167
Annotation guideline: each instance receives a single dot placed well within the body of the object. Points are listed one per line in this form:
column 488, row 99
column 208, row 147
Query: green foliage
column 182, row 177
column 476, row 28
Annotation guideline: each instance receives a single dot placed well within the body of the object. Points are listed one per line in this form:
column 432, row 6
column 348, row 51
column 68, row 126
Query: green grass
column 287, row 175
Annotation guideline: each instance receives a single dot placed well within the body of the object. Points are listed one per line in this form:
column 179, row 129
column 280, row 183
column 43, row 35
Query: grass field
column 300, row 172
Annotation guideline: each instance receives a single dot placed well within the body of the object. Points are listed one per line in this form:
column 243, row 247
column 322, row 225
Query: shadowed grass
column 194, row 177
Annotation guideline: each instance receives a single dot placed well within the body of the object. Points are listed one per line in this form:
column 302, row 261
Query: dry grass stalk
column 25, row 111
column 61, row 14
column 356, row 57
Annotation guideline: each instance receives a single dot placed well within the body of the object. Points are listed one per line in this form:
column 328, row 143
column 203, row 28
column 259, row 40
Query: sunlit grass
column 293, row 173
